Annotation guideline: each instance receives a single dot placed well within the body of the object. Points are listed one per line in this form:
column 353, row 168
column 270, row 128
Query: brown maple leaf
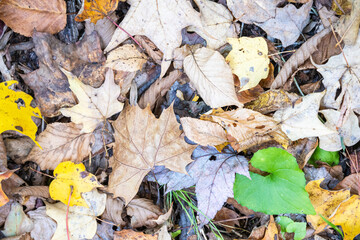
column 143, row 142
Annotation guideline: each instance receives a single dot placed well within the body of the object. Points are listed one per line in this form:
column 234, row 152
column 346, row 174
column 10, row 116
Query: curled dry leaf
column 302, row 150
column 113, row 210
column 158, row 89
column 95, row 104
column 352, row 181
column 3, row 198
column 61, row 142
column 141, row 143
column 217, row 23
column 126, row 58
column 298, row 58
column 162, row 24
column 348, row 129
column 36, row 191
column 26, row 15
column 143, row 212
column 129, row 234
column 271, row 101
column 3, row 157
column 301, row 120
column 212, row 77
column 150, row 49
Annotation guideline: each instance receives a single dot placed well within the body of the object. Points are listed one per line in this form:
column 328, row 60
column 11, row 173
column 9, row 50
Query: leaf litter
column 185, row 114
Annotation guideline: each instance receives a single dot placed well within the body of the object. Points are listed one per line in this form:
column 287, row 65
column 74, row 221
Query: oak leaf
column 72, row 179
column 161, row 23
column 81, row 220
column 212, row 77
column 26, row 15
column 141, row 143
column 96, row 9
column 61, row 142
column 16, row 111
column 301, row 120
column 95, row 104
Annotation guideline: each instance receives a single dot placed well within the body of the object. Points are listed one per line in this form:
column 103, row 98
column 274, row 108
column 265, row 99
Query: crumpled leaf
column 61, row 142
column 70, row 177
column 249, row 60
column 288, row 23
column 113, row 210
column 212, row 77
column 213, row 173
column 351, row 182
column 143, row 212
column 81, row 220
column 284, row 187
column 301, row 120
column 324, row 201
column 161, row 23
column 44, row 226
column 95, row 104
column 271, row 230
column 50, row 85
column 347, row 216
column 217, row 23
column 338, row 76
column 126, row 58
column 243, row 128
column 26, row 15
column 3, row 198
column 17, row 222
column 348, row 130
column 16, row 111
column 96, row 9
column 141, row 143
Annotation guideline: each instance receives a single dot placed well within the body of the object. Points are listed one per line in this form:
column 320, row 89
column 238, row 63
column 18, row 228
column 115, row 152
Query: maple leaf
column 212, row 172
column 212, row 77
column 70, row 177
column 16, row 111
column 160, row 21
column 95, row 104
column 81, row 220
column 96, row 9
column 61, row 142
column 301, row 120
column 141, row 143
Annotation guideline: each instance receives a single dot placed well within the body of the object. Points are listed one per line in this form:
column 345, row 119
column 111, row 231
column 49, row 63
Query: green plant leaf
column 289, row 226
column 332, row 158
column 282, row 191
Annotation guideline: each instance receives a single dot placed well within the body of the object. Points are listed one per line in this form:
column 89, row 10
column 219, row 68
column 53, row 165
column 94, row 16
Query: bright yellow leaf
column 96, row 9
column 69, row 175
column 347, row 216
column 324, row 201
column 16, row 111
column 249, row 60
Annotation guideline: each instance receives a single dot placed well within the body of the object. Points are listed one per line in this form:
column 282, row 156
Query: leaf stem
column 67, row 213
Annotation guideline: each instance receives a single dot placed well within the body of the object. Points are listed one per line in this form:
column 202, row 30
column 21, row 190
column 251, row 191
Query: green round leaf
column 332, row 158
column 282, row 191
column 289, row 226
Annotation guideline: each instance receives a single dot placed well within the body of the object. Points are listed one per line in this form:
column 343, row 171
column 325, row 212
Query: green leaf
column 289, row 226
column 282, row 191
column 332, row 158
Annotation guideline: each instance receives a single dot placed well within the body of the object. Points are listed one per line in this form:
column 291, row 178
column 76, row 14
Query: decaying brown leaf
column 302, row 150
column 49, row 84
column 227, row 218
column 26, row 15
column 126, row 58
column 3, row 157
column 141, row 143
column 352, row 181
column 61, row 142
column 143, row 212
column 128, row 234
column 113, row 210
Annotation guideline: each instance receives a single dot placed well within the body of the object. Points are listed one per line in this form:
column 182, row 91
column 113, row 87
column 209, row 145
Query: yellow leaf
column 96, row 9
column 249, row 60
column 69, row 175
column 347, row 216
column 324, row 201
column 16, row 111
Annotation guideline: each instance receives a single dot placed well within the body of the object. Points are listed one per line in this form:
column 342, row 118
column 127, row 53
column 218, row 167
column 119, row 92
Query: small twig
column 42, row 173
column 67, row 213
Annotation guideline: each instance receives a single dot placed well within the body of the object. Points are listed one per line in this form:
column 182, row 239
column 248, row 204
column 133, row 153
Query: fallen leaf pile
column 203, row 119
